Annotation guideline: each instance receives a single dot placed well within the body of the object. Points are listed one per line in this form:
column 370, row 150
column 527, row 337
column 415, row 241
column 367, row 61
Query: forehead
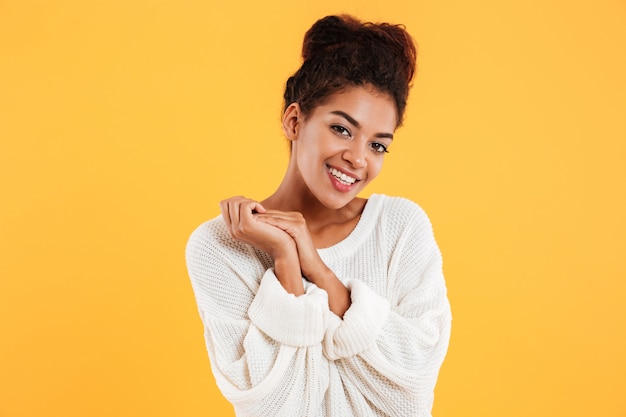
column 366, row 105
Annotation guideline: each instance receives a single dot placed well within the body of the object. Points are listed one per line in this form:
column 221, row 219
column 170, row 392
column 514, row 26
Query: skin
column 311, row 209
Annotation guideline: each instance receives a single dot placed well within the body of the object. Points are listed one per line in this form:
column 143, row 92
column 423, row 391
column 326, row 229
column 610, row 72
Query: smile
column 346, row 179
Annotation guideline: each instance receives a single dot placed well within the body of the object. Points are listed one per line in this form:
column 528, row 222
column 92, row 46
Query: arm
column 310, row 264
column 389, row 349
column 265, row 366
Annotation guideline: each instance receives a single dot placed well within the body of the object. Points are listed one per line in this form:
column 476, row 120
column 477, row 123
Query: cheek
column 375, row 166
column 308, row 157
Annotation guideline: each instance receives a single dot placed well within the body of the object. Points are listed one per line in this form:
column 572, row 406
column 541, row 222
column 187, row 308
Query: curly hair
column 341, row 51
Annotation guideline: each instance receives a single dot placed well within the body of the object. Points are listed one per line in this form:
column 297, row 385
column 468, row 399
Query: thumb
column 258, row 208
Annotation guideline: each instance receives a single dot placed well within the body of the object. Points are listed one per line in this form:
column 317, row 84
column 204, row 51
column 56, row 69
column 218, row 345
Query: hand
column 294, row 224
column 241, row 217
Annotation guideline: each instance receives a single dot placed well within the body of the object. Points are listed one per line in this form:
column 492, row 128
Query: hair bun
column 340, row 51
column 328, row 33
column 348, row 33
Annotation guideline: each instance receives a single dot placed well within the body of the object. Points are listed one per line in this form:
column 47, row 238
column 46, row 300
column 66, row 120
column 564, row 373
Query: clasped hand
column 282, row 234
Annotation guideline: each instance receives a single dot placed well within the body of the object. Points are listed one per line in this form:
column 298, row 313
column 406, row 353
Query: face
column 340, row 146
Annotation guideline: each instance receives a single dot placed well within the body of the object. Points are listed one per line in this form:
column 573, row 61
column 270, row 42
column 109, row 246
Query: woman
column 316, row 302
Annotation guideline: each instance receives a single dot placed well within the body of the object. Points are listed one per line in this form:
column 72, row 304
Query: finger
column 243, row 217
column 259, row 208
column 225, row 213
column 230, row 212
column 248, row 207
column 293, row 227
column 295, row 222
column 238, row 213
column 276, row 219
column 286, row 215
column 234, row 208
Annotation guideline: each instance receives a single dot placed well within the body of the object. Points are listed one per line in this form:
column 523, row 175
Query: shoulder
column 210, row 233
column 220, row 265
column 403, row 223
column 211, row 243
column 400, row 211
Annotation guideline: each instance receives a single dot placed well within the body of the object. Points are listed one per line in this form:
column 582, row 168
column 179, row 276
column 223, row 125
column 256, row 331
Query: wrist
column 320, row 275
column 287, row 270
column 338, row 295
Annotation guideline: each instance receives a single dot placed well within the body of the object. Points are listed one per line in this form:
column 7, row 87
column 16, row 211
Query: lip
column 338, row 185
column 345, row 171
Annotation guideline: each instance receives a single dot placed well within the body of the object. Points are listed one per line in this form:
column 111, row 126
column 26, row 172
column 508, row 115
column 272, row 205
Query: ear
column 292, row 119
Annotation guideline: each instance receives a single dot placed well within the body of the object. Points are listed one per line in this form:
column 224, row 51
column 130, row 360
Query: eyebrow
column 356, row 124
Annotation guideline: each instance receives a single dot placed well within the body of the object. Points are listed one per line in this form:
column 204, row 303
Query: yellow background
column 123, row 123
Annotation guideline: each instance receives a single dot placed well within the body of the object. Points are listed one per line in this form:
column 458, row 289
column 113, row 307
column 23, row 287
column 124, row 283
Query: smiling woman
column 316, row 301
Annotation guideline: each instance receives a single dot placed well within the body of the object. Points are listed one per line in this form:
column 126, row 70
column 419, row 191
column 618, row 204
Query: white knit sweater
column 275, row 354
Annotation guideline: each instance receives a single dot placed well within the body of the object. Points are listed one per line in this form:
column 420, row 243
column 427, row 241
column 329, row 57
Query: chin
column 336, row 202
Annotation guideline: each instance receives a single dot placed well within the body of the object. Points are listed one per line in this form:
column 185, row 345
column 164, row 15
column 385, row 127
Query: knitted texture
column 275, row 354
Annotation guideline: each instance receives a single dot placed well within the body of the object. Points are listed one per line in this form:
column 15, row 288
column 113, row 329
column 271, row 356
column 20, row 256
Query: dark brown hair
column 341, row 51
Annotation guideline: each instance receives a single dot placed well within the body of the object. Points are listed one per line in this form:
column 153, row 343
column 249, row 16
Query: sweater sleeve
column 389, row 349
column 264, row 344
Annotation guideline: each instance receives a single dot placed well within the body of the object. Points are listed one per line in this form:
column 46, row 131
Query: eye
column 340, row 130
column 378, row 147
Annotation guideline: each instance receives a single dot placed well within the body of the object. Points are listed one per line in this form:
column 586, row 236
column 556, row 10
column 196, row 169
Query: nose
column 355, row 154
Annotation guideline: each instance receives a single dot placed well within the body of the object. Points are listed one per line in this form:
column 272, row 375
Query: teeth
column 341, row 176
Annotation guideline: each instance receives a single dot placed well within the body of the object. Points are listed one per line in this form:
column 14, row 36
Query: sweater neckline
column 362, row 229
